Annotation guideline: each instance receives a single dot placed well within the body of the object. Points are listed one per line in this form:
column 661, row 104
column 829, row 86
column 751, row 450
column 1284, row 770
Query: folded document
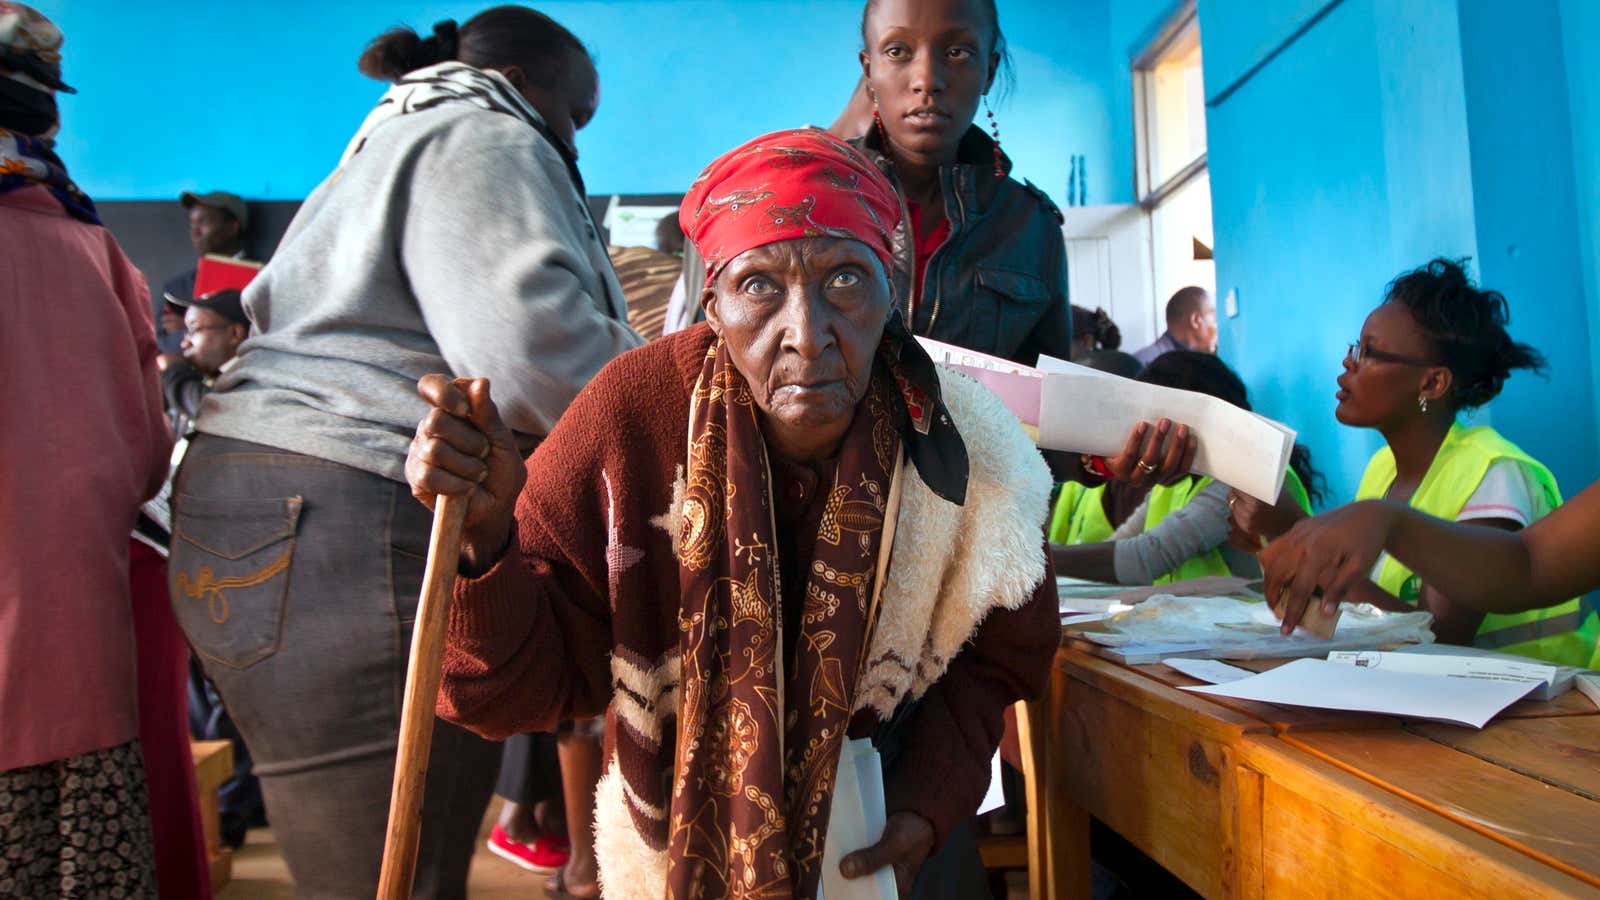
column 1083, row 410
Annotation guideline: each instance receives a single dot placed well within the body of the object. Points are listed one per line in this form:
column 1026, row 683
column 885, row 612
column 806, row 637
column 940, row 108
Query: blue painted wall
column 1523, row 181
column 1388, row 132
column 260, row 97
column 1580, row 28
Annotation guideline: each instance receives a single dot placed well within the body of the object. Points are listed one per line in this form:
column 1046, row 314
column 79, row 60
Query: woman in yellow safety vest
column 1436, row 346
column 1178, row 531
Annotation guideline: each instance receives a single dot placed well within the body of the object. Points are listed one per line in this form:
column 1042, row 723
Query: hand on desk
column 1332, row 554
column 907, row 840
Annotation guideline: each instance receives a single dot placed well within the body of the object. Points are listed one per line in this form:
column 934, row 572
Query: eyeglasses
column 1356, row 353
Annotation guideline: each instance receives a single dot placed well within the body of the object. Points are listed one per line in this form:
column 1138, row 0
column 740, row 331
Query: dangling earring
column 994, row 131
column 1422, row 403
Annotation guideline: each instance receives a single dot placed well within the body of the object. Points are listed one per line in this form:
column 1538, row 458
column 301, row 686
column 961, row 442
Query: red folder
column 219, row 273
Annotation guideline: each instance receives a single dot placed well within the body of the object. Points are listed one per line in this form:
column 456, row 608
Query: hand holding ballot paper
column 1077, row 409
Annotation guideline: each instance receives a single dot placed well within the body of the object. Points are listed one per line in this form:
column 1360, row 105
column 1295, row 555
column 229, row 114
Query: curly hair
column 1468, row 326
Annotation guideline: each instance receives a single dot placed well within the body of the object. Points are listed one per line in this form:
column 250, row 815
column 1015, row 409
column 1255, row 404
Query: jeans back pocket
column 230, row 574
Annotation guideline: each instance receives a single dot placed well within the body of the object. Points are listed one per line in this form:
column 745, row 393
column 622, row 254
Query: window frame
column 1185, row 20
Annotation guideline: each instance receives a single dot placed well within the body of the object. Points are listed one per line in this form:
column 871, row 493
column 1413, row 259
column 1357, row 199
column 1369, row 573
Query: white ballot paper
column 1208, row 670
column 1321, row 684
column 1530, row 673
column 995, row 797
column 855, row 822
column 1082, row 410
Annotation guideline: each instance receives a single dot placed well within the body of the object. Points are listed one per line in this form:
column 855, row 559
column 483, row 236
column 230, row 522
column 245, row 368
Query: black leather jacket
column 998, row 284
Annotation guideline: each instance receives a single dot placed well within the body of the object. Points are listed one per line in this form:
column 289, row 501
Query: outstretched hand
column 463, row 449
column 906, row 843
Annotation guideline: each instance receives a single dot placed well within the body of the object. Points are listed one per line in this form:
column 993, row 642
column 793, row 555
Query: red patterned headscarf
column 790, row 184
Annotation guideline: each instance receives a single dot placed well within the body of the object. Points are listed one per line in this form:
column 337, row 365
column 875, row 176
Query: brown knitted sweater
column 561, row 622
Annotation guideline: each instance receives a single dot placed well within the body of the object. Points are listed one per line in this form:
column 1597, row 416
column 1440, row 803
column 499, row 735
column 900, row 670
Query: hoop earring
column 994, row 132
column 1422, row 404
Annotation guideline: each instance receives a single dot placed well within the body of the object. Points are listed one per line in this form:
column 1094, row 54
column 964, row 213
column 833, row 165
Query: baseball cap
column 232, row 204
column 227, row 303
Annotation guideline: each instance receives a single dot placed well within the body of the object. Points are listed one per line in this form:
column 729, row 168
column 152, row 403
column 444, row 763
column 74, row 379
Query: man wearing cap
column 215, row 326
column 217, row 222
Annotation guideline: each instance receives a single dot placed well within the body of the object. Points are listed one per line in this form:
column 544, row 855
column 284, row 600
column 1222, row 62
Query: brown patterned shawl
column 759, row 736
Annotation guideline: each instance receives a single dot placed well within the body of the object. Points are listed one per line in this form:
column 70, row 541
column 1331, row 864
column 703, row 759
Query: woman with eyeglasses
column 1435, row 347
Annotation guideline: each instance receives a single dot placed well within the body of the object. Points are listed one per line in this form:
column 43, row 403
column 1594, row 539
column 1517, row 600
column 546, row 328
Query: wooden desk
column 1251, row 800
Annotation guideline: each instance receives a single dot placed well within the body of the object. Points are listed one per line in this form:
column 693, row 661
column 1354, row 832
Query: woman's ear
column 708, row 303
column 1436, row 383
column 514, row 75
column 866, row 68
column 994, row 66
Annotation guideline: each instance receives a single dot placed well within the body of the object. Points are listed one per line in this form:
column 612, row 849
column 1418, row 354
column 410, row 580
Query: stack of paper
column 1229, row 628
column 1322, row 684
column 1082, row 410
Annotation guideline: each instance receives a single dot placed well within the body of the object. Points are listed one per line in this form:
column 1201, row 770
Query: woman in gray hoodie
column 453, row 236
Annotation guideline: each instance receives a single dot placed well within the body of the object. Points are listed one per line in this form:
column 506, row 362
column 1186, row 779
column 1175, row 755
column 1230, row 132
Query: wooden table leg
column 1058, row 829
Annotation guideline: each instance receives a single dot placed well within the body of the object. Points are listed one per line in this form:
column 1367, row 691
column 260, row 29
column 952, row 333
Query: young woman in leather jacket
column 979, row 256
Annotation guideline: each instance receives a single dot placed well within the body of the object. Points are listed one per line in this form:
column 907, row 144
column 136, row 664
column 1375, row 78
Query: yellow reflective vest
column 1564, row 634
column 1164, row 500
column 1079, row 518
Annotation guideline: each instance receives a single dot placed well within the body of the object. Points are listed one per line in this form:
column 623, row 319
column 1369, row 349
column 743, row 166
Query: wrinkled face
column 929, row 62
column 211, row 340
column 802, row 320
column 1382, row 390
column 212, row 231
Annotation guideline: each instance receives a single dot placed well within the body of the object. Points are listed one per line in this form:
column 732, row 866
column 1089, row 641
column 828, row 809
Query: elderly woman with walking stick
column 753, row 539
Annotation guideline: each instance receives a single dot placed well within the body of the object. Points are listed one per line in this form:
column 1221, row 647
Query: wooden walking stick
column 422, row 692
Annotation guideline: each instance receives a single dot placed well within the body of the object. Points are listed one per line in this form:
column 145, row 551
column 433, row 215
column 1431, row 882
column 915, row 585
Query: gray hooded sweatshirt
column 451, row 239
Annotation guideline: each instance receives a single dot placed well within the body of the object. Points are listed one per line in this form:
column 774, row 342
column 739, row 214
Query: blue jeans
column 296, row 581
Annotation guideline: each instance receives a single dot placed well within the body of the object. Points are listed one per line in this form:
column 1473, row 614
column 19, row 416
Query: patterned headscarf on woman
column 30, row 75
column 804, row 183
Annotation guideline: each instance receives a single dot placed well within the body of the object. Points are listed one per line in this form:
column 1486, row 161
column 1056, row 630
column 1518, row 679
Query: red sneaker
column 548, row 853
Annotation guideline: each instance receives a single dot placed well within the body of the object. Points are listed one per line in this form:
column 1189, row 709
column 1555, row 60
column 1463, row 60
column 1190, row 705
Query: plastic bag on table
column 1229, row 628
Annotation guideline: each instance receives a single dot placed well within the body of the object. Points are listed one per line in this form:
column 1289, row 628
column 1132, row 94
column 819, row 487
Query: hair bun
column 398, row 51
column 446, row 38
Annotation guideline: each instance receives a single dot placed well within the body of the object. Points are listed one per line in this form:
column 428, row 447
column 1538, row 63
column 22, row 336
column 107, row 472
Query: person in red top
column 776, row 550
